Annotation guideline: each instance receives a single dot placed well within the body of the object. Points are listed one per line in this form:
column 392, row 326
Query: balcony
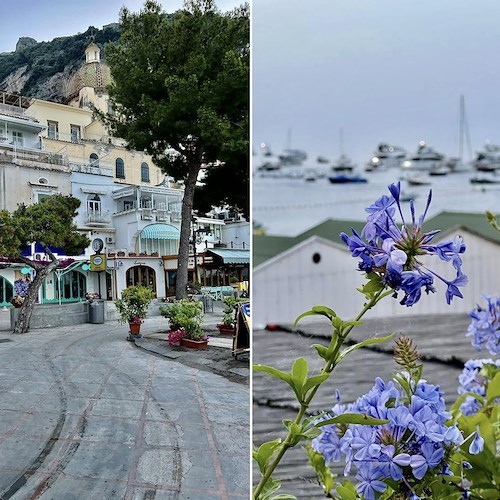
column 98, row 218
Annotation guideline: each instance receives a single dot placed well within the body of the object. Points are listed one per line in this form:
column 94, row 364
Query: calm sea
column 290, row 206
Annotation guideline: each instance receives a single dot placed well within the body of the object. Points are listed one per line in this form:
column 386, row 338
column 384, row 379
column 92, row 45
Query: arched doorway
column 142, row 275
column 6, row 292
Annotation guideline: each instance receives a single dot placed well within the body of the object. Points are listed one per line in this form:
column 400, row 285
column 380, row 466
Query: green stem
column 329, row 366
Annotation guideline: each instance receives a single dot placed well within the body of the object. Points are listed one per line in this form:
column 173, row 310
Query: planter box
column 226, row 329
column 194, row 344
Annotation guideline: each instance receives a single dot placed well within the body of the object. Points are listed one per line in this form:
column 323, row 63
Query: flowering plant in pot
column 133, row 306
column 185, row 318
column 91, row 296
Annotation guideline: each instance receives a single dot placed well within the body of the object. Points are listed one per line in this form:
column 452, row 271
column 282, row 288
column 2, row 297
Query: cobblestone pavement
column 85, row 414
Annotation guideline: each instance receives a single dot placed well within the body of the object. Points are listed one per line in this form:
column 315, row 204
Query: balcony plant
column 133, row 306
column 185, row 318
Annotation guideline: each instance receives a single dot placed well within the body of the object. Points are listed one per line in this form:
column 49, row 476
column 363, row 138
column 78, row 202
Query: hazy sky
column 45, row 20
column 384, row 70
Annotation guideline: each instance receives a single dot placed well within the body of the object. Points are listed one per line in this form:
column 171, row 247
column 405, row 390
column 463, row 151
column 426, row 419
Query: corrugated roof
column 265, row 247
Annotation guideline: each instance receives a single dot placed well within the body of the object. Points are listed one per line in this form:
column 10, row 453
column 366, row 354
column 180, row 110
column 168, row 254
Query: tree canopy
column 180, row 92
column 49, row 223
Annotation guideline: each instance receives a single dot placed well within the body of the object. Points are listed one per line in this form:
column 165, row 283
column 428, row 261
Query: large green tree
column 49, row 223
column 180, row 92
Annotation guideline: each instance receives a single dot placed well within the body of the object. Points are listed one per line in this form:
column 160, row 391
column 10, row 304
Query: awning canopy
column 160, row 232
column 231, row 255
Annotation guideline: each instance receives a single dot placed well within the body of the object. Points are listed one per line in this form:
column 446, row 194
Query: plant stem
column 329, row 366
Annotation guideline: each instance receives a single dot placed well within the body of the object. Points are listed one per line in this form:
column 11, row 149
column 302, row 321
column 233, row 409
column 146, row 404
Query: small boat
column 310, row 175
column 344, row 179
column 484, row 180
column 343, row 164
column 408, row 196
column 417, row 180
column 440, row 169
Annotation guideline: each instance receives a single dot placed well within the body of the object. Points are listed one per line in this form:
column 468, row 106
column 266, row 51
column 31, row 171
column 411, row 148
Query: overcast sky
column 45, row 20
column 384, row 70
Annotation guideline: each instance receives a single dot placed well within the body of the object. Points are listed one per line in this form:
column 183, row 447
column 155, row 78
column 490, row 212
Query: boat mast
column 464, row 131
column 341, row 141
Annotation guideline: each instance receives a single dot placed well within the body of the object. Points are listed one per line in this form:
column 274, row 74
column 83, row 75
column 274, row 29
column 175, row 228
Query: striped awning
column 160, row 232
column 232, row 256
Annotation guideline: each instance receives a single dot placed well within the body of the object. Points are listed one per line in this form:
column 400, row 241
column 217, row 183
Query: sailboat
column 344, row 167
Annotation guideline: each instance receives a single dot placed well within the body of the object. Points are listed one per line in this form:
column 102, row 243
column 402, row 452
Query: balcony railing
column 98, row 217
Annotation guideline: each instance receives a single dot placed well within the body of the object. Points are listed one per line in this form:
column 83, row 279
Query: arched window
column 120, row 169
column 6, row 292
column 142, row 275
column 144, row 172
column 94, row 160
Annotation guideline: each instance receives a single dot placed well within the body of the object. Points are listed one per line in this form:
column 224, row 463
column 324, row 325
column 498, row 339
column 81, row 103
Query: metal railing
column 98, row 217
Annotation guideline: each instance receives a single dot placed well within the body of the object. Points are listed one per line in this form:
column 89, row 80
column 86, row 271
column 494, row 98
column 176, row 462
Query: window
column 142, row 275
column 53, row 131
column 73, row 286
column 6, row 292
column 94, row 160
column 75, row 133
column 120, row 169
column 93, row 203
column 17, row 138
column 144, row 172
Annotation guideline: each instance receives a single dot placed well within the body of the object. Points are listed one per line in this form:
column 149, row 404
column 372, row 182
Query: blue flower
column 485, row 325
column 429, row 459
column 477, row 444
column 393, row 252
column 370, row 483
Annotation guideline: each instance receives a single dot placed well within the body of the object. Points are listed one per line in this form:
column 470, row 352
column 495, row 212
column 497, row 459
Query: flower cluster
column 175, row 335
column 475, row 377
column 485, row 325
column 21, row 287
column 91, row 296
column 414, row 443
column 135, row 320
column 393, row 252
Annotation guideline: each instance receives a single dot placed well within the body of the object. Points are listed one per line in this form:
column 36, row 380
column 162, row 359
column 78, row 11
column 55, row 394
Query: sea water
column 287, row 207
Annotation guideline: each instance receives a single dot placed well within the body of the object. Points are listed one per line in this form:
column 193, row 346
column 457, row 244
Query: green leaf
column 314, row 381
column 353, row 418
column 315, row 311
column 264, row 453
column 325, row 311
column 271, row 486
column 299, row 373
column 346, row 493
column 322, row 350
column 274, row 372
column 325, row 477
column 375, row 340
column 283, row 496
column 493, row 390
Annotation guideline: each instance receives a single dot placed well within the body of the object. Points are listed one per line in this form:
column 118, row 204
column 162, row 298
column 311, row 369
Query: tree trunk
column 23, row 321
column 186, row 213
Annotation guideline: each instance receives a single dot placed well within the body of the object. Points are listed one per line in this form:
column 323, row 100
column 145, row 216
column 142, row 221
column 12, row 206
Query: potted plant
column 185, row 318
column 132, row 254
column 233, row 281
column 228, row 316
column 133, row 306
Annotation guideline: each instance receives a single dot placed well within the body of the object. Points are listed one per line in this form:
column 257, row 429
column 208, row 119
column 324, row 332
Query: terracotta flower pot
column 194, row 344
column 135, row 328
column 226, row 329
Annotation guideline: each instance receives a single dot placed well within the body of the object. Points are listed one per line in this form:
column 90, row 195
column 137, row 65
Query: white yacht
column 425, row 159
column 386, row 156
column 488, row 160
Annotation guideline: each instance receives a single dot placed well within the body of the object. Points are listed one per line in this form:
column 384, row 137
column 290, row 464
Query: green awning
column 160, row 232
column 231, row 255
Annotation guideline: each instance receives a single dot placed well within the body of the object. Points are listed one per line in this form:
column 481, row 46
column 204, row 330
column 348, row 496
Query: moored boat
column 344, row 179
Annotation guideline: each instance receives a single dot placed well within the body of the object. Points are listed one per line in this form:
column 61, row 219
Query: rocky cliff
column 43, row 69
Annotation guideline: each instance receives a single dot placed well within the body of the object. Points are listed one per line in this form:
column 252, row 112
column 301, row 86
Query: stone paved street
column 85, row 414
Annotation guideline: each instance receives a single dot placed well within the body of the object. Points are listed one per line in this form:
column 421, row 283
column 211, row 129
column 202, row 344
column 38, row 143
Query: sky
column 45, row 20
column 379, row 71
